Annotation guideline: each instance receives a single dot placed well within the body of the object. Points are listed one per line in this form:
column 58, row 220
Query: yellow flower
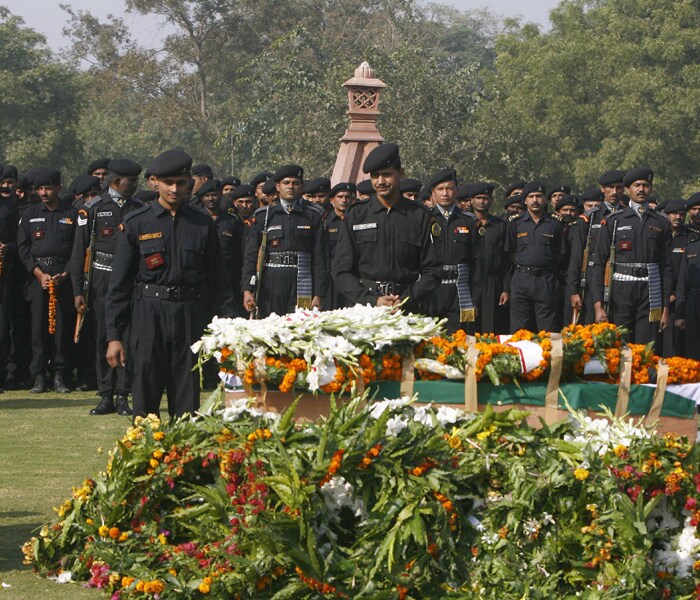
column 454, row 442
column 89, row 521
column 113, row 579
column 153, row 587
column 139, row 586
column 158, row 454
column 173, row 572
column 114, row 532
column 158, row 436
column 481, row 436
column 162, row 539
column 123, row 537
column 581, row 474
column 103, row 531
column 127, row 581
column 153, row 462
column 205, row 586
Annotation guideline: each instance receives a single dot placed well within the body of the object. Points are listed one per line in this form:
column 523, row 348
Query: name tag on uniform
column 654, row 228
column 523, row 234
column 66, row 221
column 303, row 226
column 689, row 256
column 679, row 250
column 362, row 226
column 333, row 230
column 104, row 214
column 625, row 228
column 461, row 229
column 227, row 233
column 274, row 228
column 37, row 220
column 155, row 260
column 548, row 235
column 150, row 236
column 596, row 226
column 626, row 245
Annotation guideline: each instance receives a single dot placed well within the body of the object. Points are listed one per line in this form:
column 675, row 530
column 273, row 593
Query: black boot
column 39, row 385
column 123, row 405
column 105, row 407
column 58, row 385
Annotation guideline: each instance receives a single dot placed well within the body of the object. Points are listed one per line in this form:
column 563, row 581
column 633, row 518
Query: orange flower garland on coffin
column 682, row 370
column 52, row 307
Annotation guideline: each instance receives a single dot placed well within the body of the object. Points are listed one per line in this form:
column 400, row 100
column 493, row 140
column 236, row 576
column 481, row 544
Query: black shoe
column 105, row 407
column 82, row 387
column 39, row 385
column 58, row 386
column 123, row 406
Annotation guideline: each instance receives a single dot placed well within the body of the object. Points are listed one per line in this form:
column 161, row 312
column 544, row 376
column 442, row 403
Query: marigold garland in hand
column 52, row 307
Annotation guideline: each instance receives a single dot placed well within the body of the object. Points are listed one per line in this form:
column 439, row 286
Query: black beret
column 269, row 187
column 260, row 178
column 365, row 187
column 230, row 180
column 86, row 183
column 534, row 186
column 202, row 169
column 515, row 186
column 343, row 186
column 409, row 184
column 674, row 206
column 294, row 171
column 242, row 191
column 212, row 185
column 465, row 191
column 100, row 163
column 146, row 196
column 442, row 176
column 560, row 187
column 124, row 166
column 75, row 182
column 384, row 155
column 641, row 174
column 592, row 193
column 171, row 163
column 320, row 185
column 146, row 174
column 424, row 193
column 23, row 183
column 514, row 199
column 9, row 172
column 47, row 177
column 694, row 200
column 611, row 177
column 567, row 200
column 482, row 189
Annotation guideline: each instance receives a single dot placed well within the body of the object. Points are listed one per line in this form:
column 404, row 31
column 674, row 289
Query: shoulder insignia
column 82, row 212
column 150, row 236
column 90, row 203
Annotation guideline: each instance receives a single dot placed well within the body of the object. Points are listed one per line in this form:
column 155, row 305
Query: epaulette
column 356, row 203
column 515, row 217
column 557, row 216
column 262, row 209
column 133, row 213
column 592, row 210
column 90, row 203
column 313, row 206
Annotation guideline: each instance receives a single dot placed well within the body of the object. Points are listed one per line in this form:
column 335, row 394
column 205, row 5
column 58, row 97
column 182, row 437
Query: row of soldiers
column 112, row 267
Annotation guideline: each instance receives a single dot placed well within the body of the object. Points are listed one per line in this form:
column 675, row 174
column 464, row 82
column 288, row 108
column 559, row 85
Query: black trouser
column 4, row 328
column 490, row 316
column 443, row 303
column 630, row 309
column 279, row 291
column 162, row 332
column 19, row 317
column 109, row 380
column 533, row 302
column 46, row 348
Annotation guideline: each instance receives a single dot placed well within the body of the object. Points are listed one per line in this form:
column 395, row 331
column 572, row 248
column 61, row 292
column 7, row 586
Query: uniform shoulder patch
column 150, row 236
column 435, row 229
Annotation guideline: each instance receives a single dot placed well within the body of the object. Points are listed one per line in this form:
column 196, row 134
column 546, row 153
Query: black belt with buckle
column 283, row 258
column 623, row 269
column 450, row 272
column 103, row 260
column 51, row 261
column 537, row 271
column 174, row 293
column 383, row 288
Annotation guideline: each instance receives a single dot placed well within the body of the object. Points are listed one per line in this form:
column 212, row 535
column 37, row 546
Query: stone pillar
column 362, row 136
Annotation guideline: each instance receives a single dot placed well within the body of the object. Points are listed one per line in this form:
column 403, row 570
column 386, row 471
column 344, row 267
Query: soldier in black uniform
column 642, row 272
column 201, row 173
column 9, row 218
column 687, row 299
column 693, row 227
column 583, row 236
column 364, row 189
column 257, row 183
column 317, row 190
column 675, row 210
column 385, row 254
column 98, row 168
column 556, row 193
column 491, row 276
column 231, row 232
column 513, row 207
column 45, row 242
column 341, row 198
column 295, row 271
column 165, row 282
column 537, row 243
column 98, row 226
column 452, row 231
column 410, row 188
column 245, row 203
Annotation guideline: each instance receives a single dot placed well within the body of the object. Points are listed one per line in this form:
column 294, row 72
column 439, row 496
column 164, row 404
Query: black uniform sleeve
column 681, row 288
column 666, row 264
column 24, row 245
column 320, row 260
column 250, row 257
column 602, row 254
column 431, row 266
column 121, row 283
column 218, row 283
column 578, row 236
column 81, row 241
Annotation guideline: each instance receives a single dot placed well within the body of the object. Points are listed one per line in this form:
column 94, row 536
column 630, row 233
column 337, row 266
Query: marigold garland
column 52, row 306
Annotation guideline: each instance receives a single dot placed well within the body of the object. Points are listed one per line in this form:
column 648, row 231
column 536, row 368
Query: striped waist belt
column 103, row 261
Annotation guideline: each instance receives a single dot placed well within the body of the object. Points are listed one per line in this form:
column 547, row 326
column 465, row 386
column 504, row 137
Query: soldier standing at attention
column 9, row 217
column 385, row 253
column 165, row 282
column 453, row 231
column 341, row 198
column 98, row 226
column 45, row 242
column 295, row 270
column 641, row 272
column 675, row 211
column 537, row 243
column 491, row 278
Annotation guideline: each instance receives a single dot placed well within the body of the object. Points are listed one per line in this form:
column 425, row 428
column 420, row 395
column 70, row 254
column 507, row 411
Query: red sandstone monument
column 362, row 136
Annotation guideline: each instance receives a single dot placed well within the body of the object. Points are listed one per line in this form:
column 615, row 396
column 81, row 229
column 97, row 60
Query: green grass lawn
column 48, row 443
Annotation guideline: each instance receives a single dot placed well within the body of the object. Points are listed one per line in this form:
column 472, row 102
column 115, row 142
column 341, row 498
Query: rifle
column 610, row 270
column 87, row 276
column 260, row 266
column 584, row 261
